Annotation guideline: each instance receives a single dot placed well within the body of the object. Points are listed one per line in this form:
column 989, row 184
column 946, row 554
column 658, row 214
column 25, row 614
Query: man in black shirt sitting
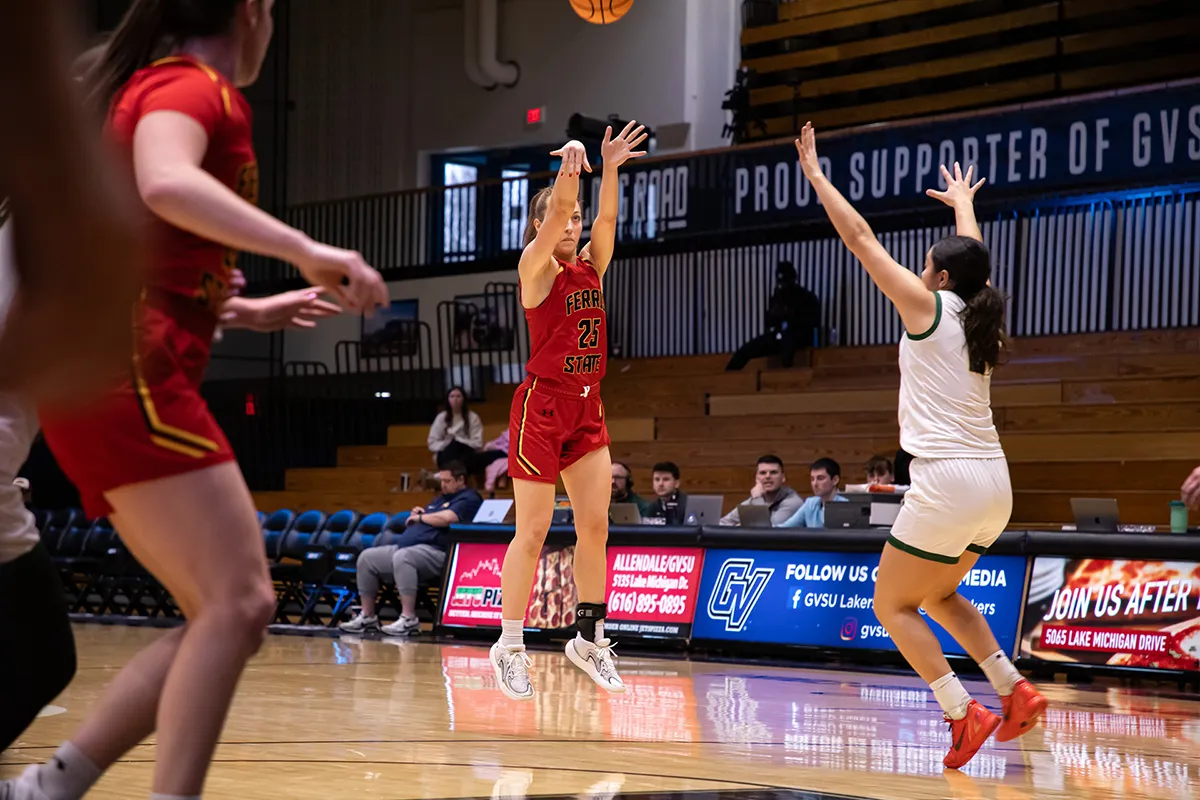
column 793, row 313
column 669, row 503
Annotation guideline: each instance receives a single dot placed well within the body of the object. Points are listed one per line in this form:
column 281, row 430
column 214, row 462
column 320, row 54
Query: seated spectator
column 669, row 503
column 824, row 475
column 771, row 490
column 494, row 460
column 879, row 471
column 456, row 433
column 417, row 556
column 793, row 314
column 622, row 487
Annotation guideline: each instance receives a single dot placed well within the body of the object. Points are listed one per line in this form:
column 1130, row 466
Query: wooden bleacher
column 842, row 63
column 1100, row 415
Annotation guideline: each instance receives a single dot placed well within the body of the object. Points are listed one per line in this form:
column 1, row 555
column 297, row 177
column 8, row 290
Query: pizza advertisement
column 472, row 598
column 1112, row 612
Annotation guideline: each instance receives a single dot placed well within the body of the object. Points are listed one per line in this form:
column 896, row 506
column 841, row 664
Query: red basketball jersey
column 568, row 334
column 190, row 275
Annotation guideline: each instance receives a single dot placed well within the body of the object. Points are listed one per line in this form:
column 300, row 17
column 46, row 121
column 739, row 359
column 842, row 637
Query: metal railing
column 483, row 339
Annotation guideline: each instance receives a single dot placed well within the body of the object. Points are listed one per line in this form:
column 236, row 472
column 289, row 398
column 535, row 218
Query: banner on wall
column 1140, row 138
column 651, row 590
column 817, row 599
column 1114, row 612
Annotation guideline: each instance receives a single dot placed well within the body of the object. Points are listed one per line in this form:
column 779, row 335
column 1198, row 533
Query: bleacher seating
column 849, row 62
column 1109, row 415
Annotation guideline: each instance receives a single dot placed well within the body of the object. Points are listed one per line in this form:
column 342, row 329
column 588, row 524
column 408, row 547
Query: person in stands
column 793, row 314
column 771, row 490
column 622, row 487
column 880, row 471
column 456, row 433
column 417, row 556
column 669, row 503
column 824, row 476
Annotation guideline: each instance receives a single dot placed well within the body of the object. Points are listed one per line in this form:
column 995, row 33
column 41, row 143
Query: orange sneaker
column 968, row 734
column 1022, row 709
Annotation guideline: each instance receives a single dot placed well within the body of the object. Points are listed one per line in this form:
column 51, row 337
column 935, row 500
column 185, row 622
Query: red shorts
column 135, row 434
column 550, row 428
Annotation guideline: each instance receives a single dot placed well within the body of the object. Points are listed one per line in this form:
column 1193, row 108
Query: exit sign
column 534, row 117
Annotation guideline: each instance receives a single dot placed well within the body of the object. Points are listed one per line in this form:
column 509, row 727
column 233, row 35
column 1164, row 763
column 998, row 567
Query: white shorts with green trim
column 953, row 505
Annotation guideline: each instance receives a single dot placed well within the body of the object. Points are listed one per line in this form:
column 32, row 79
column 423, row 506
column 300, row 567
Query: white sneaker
column 405, row 626
column 360, row 624
column 597, row 661
column 511, row 666
column 24, row 787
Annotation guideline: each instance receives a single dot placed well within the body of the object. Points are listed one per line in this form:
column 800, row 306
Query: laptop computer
column 706, row 508
column 1095, row 514
column 624, row 514
column 851, row 514
column 495, row 511
column 754, row 516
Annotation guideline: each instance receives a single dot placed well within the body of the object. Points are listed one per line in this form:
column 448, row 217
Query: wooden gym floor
column 353, row 718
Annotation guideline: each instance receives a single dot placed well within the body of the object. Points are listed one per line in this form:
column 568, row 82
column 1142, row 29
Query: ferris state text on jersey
column 589, row 329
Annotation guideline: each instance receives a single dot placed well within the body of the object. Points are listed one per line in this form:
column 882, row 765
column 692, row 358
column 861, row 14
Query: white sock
column 512, row 632
column 599, row 631
column 1001, row 672
column 951, row 695
column 68, row 775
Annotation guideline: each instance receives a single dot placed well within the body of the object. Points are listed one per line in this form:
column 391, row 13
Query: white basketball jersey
column 945, row 409
column 18, row 426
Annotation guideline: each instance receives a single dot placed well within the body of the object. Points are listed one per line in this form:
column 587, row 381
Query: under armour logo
column 586, row 389
column 547, row 412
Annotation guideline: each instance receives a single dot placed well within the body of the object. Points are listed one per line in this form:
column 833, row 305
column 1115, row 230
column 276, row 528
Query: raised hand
column 958, row 187
column 806, row 146
column 345, row 275
column 574, row 158
column 616, row 152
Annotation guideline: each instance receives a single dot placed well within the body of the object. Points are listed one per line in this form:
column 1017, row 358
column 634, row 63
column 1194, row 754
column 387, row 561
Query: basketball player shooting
column 557, row 420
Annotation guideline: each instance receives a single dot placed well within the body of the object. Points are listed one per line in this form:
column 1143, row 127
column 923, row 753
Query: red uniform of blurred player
column 556, row 426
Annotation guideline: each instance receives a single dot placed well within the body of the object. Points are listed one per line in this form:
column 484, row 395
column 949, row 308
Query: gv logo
column 738, row 587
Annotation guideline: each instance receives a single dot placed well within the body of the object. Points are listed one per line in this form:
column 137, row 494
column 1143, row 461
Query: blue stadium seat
column 318, row 564
column 56, row 525
column 338, row 528
column 274, row 529
column 287, row 573
column 339, row 587
column 89, row 570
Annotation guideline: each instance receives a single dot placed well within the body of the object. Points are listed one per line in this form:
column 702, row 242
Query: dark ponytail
column 133, row 45
column 537, row 211
column 146, row 32
column 984, row 326
column 969, row 265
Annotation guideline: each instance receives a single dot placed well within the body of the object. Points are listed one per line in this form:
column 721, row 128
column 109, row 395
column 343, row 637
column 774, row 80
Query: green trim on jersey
column 937, row 317
column 919, row 553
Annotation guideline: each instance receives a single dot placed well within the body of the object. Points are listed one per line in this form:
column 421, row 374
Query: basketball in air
column 601, row 12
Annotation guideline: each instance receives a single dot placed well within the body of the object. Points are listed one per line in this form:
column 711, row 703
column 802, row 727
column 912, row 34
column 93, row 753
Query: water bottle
column 1179, row 517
